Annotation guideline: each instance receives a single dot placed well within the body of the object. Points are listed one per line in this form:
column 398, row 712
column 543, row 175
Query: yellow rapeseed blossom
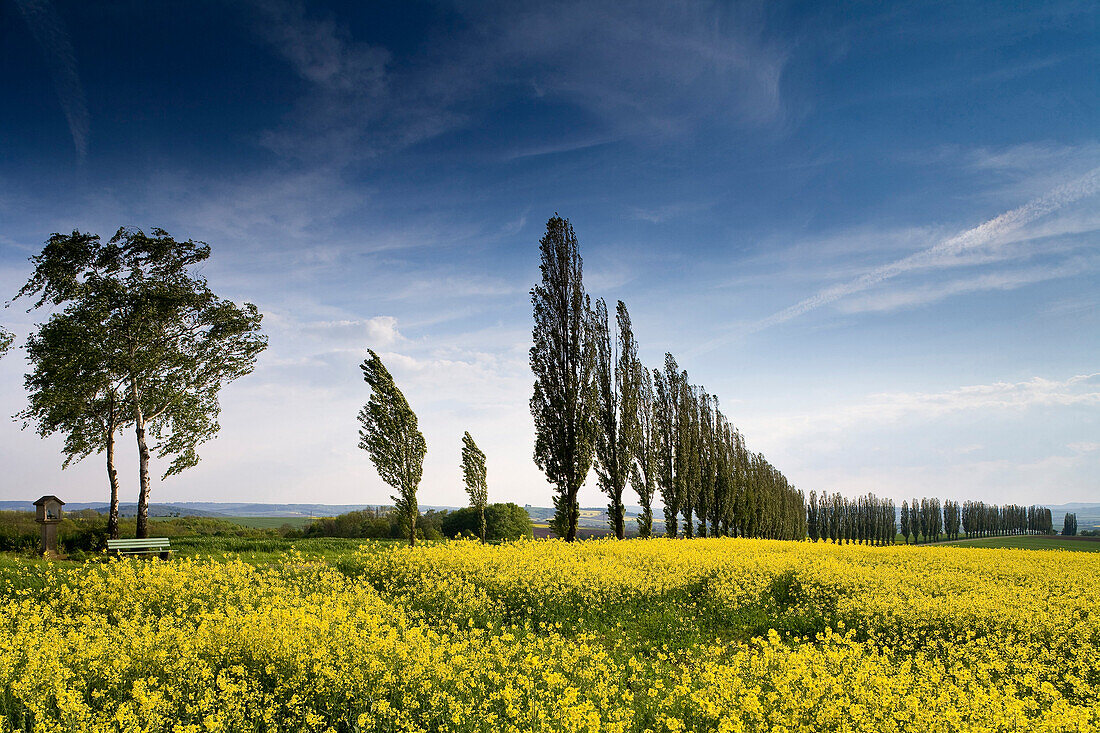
column 654, row 635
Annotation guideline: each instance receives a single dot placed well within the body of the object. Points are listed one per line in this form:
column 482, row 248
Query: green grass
column 1030, row 542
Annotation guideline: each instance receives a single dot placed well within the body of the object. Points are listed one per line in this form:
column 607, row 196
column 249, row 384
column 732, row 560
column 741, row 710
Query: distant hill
column 1088, row 514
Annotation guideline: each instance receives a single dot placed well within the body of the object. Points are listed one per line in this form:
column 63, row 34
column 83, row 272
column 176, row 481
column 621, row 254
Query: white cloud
column 892, row 407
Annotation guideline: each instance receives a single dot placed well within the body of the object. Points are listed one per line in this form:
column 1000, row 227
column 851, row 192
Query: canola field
column 644, row 635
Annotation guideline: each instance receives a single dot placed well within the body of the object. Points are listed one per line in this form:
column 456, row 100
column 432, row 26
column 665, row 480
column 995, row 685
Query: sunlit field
column 660, row 635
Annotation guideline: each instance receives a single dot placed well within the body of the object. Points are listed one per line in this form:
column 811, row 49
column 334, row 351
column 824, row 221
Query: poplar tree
column 390, row 435
column 666, row 385
column 687, row 452
column 811, row 518
column 174, row 342
column 905, row 521
column 647, row 455
column 617, row 407
column 474, row 476
column 564, row 401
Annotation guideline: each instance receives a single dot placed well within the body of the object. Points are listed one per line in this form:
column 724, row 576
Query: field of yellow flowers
column 643, row 635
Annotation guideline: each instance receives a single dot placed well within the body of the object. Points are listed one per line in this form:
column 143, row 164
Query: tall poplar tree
column 474, row 476
column 617, row 407
column 687, row 452
column 666, row 385
column 389, row 433
column 173, row 341
column 564, row 401
column 647, row 455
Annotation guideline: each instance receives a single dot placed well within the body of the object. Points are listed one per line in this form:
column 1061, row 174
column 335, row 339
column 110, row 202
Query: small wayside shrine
column 47, row 512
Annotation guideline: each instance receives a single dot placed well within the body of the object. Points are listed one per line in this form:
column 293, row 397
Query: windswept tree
column 564, row 401
column 647, row 455
column 474, row 476
column 389, row 433
column 617, row 407
column 171, row 340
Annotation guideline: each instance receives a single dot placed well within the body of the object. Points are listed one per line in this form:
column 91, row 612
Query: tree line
column 863, row 520
column 1069, row 524
column 595, row 404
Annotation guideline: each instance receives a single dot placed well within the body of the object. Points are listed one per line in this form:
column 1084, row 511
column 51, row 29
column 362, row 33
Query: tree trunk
column 112, row 476
column 481, row 509
column 412, row 528
column 620, row 528
column 143, row 474
column 572, row 514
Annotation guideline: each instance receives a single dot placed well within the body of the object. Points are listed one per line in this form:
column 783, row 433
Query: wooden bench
column 148, row 546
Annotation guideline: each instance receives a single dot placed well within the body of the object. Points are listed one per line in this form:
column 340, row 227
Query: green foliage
column 380, row 523
column 564, row 401
column 503, row 522
column 6, row 340
column 390, row 435
column 474, row 476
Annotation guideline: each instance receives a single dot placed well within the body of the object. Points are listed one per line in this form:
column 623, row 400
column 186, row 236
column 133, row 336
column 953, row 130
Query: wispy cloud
column 925, row 294
column 49, row 31
column 947, row 252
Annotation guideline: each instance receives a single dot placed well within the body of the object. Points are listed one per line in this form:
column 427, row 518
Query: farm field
column 269, row 522
column 1030, row 542
column 660, row 635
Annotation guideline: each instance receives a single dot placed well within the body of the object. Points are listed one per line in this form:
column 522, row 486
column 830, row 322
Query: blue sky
column 873, row 231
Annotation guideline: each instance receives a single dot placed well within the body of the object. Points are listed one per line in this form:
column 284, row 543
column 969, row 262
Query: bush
column 502, row 522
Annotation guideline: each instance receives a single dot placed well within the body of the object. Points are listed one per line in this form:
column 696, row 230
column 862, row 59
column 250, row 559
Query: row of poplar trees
column 864, row 520
column 595, row 403
column 990, row 520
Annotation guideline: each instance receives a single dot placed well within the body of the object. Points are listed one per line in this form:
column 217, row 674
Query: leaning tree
column 564, row 401
column 390, row 435
column 166, row 337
